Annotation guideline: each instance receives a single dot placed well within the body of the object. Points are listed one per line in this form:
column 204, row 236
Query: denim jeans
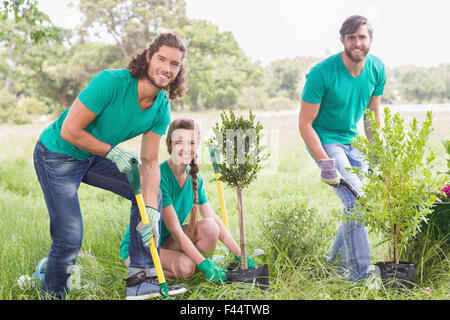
column 60, row 177
column 350, row 250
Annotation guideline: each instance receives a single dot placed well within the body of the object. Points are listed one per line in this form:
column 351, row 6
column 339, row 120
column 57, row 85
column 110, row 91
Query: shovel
column 135, row 181
column 215, row 158
column 350, row 188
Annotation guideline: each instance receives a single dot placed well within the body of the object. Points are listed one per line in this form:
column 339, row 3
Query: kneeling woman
column 183, row 245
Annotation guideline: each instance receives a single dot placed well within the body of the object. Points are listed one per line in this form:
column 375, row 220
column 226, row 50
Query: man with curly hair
column 82, row 146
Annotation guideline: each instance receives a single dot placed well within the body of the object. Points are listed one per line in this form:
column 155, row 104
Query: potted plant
column 400, row 191
column 239, row 142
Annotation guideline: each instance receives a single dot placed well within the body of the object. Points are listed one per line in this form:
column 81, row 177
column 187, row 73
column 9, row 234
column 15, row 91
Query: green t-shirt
column 182, row 199
column 113, row 96
column 342, row 97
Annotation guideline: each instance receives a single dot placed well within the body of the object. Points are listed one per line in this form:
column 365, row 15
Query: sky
column 405, row 31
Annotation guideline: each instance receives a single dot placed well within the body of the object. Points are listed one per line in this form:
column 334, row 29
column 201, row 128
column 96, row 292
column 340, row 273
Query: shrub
column 8, row 106
column 32, row 106
column 400, row 192
column 293, row 230
column 252, row 98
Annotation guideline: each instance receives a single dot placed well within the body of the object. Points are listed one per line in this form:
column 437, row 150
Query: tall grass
column 296, row 259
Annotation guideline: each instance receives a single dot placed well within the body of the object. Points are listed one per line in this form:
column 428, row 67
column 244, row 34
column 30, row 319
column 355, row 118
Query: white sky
column 405, row 31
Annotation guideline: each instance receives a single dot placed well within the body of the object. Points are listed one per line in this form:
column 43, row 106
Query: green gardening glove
column 151, row 229
column 250, row 263
column 212, row 272
column 121, row 158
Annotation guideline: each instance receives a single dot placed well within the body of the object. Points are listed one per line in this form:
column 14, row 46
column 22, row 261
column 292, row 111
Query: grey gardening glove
column 328, row 172
column 121, row 158
column 151, row 229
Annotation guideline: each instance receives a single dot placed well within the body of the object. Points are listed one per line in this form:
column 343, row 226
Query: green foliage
column 20, row 111
column 239, row 142
column 285, row 77
column 100, row 271
column 9, row 109
column 429, row 250
column 411, row 84
column 401, row 190
column 253, row 98
column 132, row 24
column 446, row 144
column 52, row 65
column 38, row 24
column 61, row 72
column 32, row 106
column 294, row 231
column 217, row 68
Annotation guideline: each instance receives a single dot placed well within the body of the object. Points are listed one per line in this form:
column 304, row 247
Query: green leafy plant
column 400, row 192
column 238, row 140
column 293, row 231
column 446, row 144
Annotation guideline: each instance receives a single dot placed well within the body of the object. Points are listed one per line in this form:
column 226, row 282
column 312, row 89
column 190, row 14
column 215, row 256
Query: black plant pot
column 398, row 276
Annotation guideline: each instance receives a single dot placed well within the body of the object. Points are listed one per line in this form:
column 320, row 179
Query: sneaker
column 140, row 286
column 175, row 289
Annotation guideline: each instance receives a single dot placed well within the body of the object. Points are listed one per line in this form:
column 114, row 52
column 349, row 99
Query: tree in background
column 23, row 26
column 132, row 23
column 286, row 77
column 217, row 67
column 61, row 72
column 421, row 85
column 26, row 11
column 49, row 64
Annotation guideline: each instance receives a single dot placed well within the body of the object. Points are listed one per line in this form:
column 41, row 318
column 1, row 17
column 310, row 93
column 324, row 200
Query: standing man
column 81, row 146
column 337, row 92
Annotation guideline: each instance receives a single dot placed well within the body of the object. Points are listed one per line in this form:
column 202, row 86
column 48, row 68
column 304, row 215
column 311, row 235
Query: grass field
column 290, row 215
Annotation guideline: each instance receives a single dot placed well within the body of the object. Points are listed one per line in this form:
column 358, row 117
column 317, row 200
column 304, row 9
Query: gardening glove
column 151, row 229
column 212, row 272
column 250, row 263
column 328, row 172
column 121, row 158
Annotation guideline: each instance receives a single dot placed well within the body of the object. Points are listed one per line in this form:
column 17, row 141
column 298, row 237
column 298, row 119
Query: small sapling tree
column 400, row 192
column 239, row 142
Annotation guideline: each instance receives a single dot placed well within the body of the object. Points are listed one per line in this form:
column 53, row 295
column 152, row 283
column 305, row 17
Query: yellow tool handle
column 153, row 250
column 222, row 201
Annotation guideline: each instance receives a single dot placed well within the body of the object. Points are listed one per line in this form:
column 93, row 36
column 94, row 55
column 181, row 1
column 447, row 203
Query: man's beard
column 153, row 82
column 349, row 55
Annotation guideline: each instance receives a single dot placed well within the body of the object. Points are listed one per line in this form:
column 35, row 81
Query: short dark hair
column 351, row 24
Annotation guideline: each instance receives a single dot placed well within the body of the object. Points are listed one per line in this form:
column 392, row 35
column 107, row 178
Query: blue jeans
column 350, row 250
column 60, row 177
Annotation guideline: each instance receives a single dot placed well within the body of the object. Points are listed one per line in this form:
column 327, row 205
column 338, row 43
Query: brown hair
column 351, row 24
column 138, row 65
column 188, row 124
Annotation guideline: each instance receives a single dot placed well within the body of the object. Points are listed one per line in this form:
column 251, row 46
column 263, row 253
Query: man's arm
column 72, row 130
column 374, row 105
column 308, row 113
column 149, row 168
